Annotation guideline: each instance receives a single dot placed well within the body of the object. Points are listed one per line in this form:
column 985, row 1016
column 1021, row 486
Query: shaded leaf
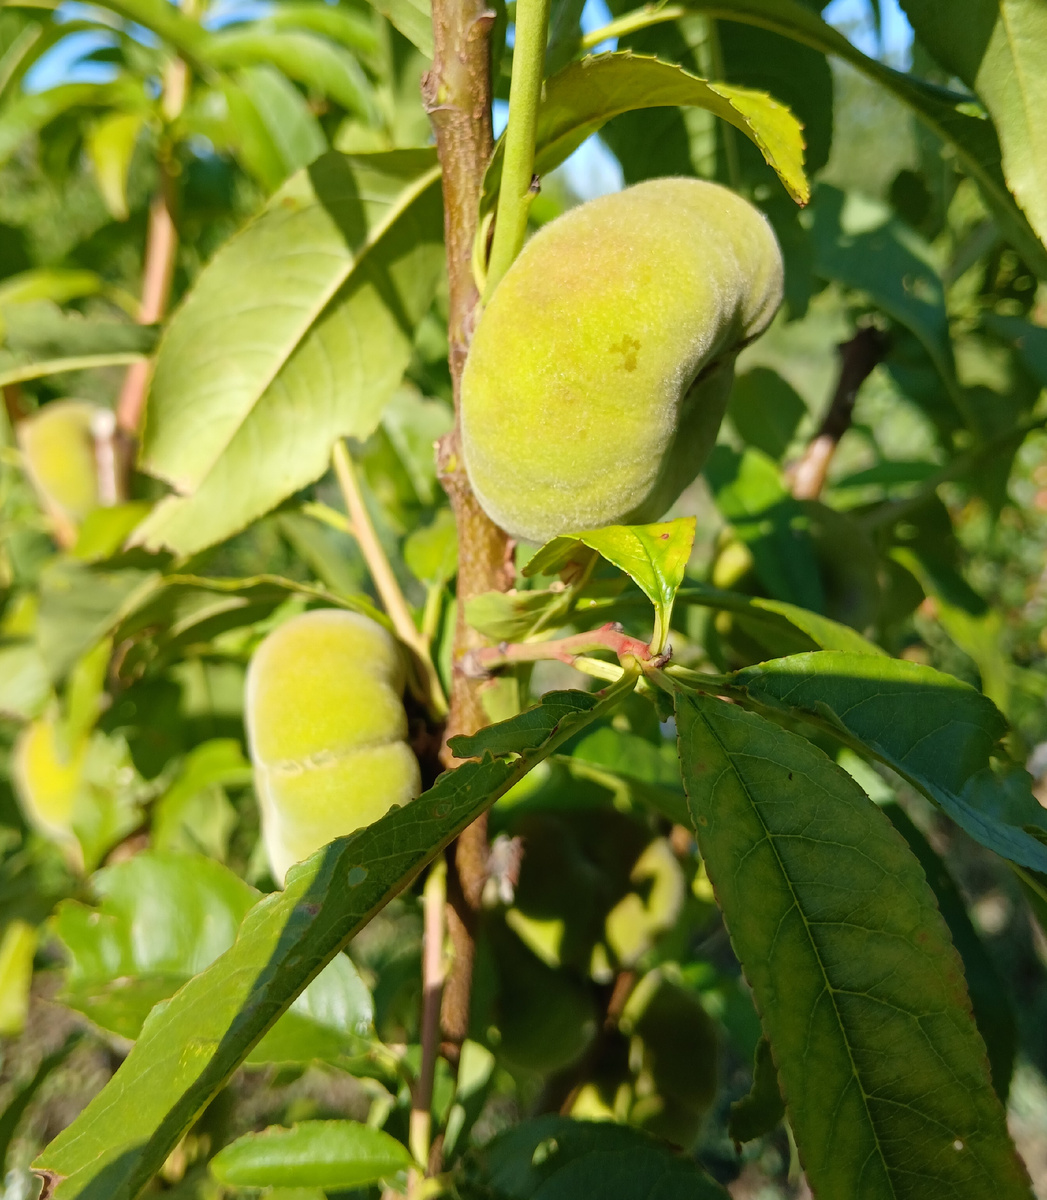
column 751, row 495
column 555, row 1158
column 860, row 992
column 993, row 1013
column 761, row 1111
column 938, row 733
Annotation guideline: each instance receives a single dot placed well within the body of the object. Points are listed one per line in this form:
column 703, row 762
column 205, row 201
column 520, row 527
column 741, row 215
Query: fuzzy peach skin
column 599, row 372
column 326, row 728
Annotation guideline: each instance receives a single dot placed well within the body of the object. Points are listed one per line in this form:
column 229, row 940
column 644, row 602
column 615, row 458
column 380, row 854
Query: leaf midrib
column 404, row 201
column 814, row 946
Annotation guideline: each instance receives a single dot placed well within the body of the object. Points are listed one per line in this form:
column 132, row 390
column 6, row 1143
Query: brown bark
column 858, row 358
column 457, row 96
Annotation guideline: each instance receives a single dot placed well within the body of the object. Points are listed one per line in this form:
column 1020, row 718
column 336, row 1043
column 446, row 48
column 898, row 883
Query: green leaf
column 194, row 814
column 766, row 411
column 761, row 1111
column 163, row 918
column 653, row 556
column 777, row 615
column 325, row 1154
column 339, row 24
column 990, row 1001
column 527, row 730
column 948, row 114
column 25, row 684
column 48, row 283
column 938, row 733
column 413, row 18
column 110, row 143
column 582, row 97
column 82, row 604
column 295, row 334
column 271, row 126
column 41, row 339
column 555, row 1158
column 431, row 551
column 752, row 496
column 166, row 21
column 189, row 1047
column 859, row 989
column 998, row 48
column 28, row 113
column 23, row 1097
column 884, row 264
column 313, row 61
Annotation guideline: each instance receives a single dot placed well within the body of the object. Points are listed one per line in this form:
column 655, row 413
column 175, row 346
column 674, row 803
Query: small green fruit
column 599, row 372
column 48, row 778
column 326, row 727
column 58, row 450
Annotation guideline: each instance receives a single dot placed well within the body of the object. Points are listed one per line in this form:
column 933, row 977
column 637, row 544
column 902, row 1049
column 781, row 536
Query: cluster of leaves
column 881, row 639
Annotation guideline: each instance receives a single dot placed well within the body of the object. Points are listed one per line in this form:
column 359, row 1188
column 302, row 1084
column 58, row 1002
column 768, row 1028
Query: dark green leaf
column 762, row 1109
column 936, row 732
column 989, row 999
column 860, row 992
column 765, row 410
column 555, row 1158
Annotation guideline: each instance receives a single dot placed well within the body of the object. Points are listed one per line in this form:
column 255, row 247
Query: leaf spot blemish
column 627, row 348
column 439, row 811
column 356, row 876
column 957, row 1145
column 790, row 776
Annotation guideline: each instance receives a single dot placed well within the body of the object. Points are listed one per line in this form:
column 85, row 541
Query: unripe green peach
column 599, row 373
column 48, row 780
column 58, row 450
column 326, row 727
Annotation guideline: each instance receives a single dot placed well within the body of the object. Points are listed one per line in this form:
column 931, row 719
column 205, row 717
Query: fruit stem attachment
column 525, row 91
column 480, row 663
column 385, row 582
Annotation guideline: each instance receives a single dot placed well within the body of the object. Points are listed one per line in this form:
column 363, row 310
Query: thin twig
column 385, row 580
column 434, row 901
column 161, row 252
column 858, row 358
column 608, row 637
column 517, row 188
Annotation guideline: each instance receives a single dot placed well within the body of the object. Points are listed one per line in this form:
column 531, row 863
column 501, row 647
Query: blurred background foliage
column 128, row 828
